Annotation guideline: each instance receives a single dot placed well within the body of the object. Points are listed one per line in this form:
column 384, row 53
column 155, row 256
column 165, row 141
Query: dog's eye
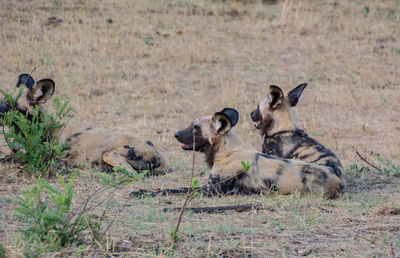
column 196, row 127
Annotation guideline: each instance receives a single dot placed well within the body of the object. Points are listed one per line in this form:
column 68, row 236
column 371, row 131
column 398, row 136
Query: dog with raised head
column 87, row 146
column 225, row 150
column 276, row 120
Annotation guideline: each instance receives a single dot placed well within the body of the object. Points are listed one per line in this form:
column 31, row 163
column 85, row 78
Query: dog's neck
column 283, row 120
column 223, row 148
column 287, row 133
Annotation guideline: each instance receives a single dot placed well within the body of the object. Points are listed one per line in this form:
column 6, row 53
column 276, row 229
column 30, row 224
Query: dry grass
column 159, row 64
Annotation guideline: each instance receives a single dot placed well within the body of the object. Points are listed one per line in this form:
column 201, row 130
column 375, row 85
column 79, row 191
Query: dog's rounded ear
column 294, row 95
column 225, row 120
column 25, row 79
column 232, row 115
column 44, row 90
column 275, row 96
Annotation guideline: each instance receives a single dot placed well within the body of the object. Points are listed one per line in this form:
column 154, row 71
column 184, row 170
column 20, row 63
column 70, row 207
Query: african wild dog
column 87, row 146
column 276, row 120
column 224, row 150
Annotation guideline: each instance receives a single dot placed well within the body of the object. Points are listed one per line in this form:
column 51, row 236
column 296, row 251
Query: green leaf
column 245, row 165
column 195, row 183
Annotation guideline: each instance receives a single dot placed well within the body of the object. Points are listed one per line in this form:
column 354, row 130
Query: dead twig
column 83, row 206
column 392, row 250
column 115, row 218
column 355, row 232
column 216, row 209
column 94, row 237
column 188, row 196
column 366, row 161
column 62, row 129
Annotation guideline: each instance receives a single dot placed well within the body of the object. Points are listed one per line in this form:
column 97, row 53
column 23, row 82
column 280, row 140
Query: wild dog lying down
column 87, row 146
column 224, row 151
column 276, row 120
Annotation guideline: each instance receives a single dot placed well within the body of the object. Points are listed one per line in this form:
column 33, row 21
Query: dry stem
column 366, row 161
column 188, row 198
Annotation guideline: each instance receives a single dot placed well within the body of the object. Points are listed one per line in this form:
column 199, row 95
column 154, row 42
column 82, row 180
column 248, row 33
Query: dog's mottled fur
column 87, row 146
column 225, row 150
column 276, row 119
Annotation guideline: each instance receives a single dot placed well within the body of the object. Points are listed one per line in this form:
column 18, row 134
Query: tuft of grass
column 109, row 20
column 388, row 168
column 356, row 170
column 2, row 251
column 277, row 226
column 120, row 177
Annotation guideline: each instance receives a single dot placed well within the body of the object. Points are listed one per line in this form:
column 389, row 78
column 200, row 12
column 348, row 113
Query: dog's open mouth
column 188, row 146
column 257, row 124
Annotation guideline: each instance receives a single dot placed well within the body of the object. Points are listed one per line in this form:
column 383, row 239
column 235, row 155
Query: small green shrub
column 385, row 167
column 388, row 168
column 29, row 135
column 120, row 177
column 50, row 223
column 357, row 170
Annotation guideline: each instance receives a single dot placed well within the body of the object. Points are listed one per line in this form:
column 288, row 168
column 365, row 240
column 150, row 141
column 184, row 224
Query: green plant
column 9, row 99
column 2, row 251
column 278, row 226
column 49, row 221
column 356, row 170
column 388, row 168
column 29, row 135
column 195, row 184
column 120, row 177
column 366, row 9
column 245, row 165
column 109, row 20
column 173, row 241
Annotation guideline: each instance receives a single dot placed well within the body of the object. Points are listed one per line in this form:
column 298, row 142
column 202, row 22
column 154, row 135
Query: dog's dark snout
column 253, row 115
column 176, row 135
column 184, row 136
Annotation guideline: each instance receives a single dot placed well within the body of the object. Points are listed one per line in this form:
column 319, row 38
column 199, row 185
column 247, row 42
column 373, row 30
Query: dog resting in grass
column 276, row 120
column 87, row 146
column 224, row 151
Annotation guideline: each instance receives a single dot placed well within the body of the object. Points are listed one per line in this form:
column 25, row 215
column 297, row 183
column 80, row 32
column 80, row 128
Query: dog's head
column 275, row 112
column 32, row 94
column 207, row 131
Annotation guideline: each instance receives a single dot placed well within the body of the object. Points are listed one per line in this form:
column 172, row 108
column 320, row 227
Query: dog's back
column 299, row 146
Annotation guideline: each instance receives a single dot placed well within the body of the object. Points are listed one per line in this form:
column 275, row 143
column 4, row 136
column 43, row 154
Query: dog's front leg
column 216, row 186
column 164, row 192
column 222, row 186
column 207, row 190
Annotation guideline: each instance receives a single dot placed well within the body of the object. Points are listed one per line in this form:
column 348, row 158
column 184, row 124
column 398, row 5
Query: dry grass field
column 149, row 67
